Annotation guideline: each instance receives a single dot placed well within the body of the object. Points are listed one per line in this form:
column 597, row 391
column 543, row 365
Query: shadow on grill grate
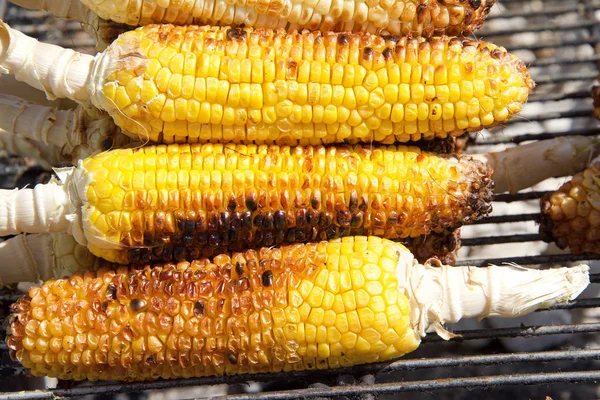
column 559, row 41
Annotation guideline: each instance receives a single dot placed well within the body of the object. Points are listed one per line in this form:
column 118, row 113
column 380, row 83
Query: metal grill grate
column 560, row 42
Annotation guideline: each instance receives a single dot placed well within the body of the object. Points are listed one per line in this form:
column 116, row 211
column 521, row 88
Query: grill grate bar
column 583, row 112
column 499, row 139
column 487, row 240
column 582, row 303
column 552, row 26
column 400, row 365
column 531, row 195
column 530, row 260
column 552, row 45
column 545, row 62
column 581, row 94
column 547, row 11
column 498, row 219
column 324, row 391
column 517, row 331
column 566, row 77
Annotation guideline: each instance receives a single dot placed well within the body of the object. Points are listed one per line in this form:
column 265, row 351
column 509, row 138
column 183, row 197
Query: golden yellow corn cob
column 300, row 307
column 177, row 84
column 186, row 201
column 571, row 215
column 305, row 306
column 426, row 18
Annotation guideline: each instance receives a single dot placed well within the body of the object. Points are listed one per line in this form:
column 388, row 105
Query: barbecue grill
column 560, row 42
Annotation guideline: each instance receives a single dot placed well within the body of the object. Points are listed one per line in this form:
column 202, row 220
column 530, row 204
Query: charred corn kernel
column 159, row 316
column 571, row 215
column 365, row 87
column 177, row 202
column 403, row 17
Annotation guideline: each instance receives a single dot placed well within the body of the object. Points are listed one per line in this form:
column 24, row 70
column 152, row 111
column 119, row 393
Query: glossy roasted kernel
column 571, row 215
column 210, row 84
column 176, row 203
column 190, row 327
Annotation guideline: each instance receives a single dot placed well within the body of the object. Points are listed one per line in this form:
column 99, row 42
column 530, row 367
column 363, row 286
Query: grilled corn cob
column 305, row 306
column 571, row 215
column 187, row 201
column 55, row 255
column 427, row 18
column 176, row 84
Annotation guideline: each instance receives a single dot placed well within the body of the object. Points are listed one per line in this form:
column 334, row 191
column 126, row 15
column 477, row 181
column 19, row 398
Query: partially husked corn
column 423, row 18
column 181, row 202
column 571, row 215
column 200, row 83
column 312, row 306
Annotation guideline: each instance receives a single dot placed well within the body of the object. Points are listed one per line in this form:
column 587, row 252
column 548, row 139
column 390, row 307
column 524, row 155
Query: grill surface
column 560, row 42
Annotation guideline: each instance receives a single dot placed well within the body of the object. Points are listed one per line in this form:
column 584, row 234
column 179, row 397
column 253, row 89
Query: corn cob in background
column 305, row 306
column 570, row 216
column 187, row 201
column 176, row 84
column 405, row 17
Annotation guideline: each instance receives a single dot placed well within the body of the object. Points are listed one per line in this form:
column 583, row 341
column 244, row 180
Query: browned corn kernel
column 571, row 215
column 326, row 305
column 200, row 83
column 426, row 18
column 182, row 202
column 441, row 246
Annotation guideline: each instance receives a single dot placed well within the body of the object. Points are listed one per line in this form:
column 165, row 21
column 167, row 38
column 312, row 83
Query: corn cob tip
column 442, row 247
column 570, row 216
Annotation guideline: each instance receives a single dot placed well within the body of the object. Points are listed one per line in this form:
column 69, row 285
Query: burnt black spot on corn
column 284, row 194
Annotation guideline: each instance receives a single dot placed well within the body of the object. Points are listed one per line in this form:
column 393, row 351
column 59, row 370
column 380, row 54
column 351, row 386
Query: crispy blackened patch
column 236, row 34
column 267, row 278
column 111, row 291
column 475, row 3
column 421, row 12
column 137, row 304
column 342, row 39
column 199, row 309
column 368, row 53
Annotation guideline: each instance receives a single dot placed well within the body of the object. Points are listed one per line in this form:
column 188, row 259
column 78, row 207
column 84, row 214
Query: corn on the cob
column 177, row 84
column 311, row 306
column 55, row 255
column 186, row 201
column 426, row 18
column 571, row 215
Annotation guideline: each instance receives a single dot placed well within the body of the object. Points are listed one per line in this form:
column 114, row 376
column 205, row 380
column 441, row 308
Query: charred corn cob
column 427, row 18
column 305, row 306
column 177, row 84
column 55, row 255
column 571, row 215
column 186, row 201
